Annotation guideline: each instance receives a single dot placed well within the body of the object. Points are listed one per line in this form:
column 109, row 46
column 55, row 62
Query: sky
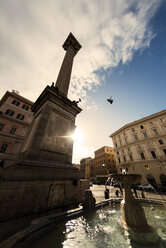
column 123, row 55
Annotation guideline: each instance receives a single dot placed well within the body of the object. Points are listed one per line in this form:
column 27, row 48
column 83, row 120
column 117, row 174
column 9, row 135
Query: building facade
column 15, row 119
column 140, row 147
column 104, row 162
column 85, row 168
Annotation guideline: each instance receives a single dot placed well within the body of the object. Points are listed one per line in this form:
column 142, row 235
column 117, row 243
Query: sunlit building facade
column 15, row 119
column 85, row 168
column 140, row 147
column 104, row 162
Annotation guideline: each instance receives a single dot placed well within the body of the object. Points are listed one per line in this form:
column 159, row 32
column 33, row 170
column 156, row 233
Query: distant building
column 77, row 166
column 140, row 147
column 85, row 168
column 104, row 162
column 15, row 119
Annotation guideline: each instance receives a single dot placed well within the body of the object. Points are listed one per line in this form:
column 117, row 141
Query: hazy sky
column 123, row 55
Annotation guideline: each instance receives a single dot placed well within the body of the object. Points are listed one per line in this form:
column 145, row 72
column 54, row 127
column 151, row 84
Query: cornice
column 17, row 96
column 6, row 117
column 12, row 136
column 140, row 121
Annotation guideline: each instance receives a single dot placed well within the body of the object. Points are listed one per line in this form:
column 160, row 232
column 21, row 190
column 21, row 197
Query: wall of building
column 140, row 147
column 85, row 167
column 13, row 128
column 104, row 162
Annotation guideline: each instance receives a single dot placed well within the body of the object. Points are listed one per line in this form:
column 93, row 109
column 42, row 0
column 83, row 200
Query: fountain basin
column 126, row 178
column 102, row 228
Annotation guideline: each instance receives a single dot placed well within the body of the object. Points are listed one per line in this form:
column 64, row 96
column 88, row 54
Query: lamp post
column 104, row 169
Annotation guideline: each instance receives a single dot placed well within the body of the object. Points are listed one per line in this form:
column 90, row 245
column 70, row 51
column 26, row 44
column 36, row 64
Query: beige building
column 104, row 162
column 140, row 147
column 85, row 168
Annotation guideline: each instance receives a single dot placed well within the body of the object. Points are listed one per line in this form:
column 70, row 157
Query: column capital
column 72, row 41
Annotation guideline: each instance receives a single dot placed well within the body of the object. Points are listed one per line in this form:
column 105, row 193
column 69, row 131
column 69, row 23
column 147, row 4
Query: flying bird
column 110, row 100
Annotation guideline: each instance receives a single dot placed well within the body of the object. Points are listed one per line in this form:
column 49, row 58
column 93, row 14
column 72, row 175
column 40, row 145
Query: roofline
column 103, row 147
column 138, row 122
column 21, row 98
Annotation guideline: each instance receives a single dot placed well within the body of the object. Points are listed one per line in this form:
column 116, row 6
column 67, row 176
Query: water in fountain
column 102, row 229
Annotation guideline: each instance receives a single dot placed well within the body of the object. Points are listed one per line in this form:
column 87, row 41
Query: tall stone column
column 72, row 46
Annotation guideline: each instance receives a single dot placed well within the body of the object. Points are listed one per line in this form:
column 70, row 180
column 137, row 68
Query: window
column 116, row 144
column 16, row 103
column 153, row 154
column 161, row 142
column 139, row 146
column 12, row 131
column 131, row 158
column 146, row 167
column 122, row 151
column 128, row 149
column 151, row 123
column 155, row 131
column 133, row 130
column 9, row 112
column 164, row 150
column 1, row 126
column 20, row 117
column 136, row 137
column 25, row 107
column 145, row 135
column 121, row 169
column 126, row 140
column 162, row 120
column 120, row 142
column 3, row 148
column 142, row 156
column 142, row 127
column 149, row 144
column 117, row 152
column 119, row 160
column 127, row 169
column 124, row 159
column 124, row 133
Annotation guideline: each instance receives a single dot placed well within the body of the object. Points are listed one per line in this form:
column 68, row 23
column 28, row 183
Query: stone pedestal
column 54, row 122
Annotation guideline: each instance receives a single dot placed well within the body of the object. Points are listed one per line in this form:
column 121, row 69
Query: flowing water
column 102, row 229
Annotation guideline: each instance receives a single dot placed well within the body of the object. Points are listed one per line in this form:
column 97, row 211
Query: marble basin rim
column 126, row 178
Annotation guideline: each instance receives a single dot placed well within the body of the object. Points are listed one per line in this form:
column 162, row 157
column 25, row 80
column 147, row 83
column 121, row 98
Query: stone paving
column 98, row 192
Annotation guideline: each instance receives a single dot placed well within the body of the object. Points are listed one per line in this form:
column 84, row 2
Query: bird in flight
column 110, row 100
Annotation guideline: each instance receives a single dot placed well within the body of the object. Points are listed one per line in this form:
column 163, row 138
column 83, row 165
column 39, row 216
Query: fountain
column 100, row 228
column 133, row 216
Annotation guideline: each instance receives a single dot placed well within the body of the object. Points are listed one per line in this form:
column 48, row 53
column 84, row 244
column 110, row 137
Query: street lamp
column 104, row 168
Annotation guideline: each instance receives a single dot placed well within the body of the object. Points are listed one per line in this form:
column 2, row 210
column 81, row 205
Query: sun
column 78, row 136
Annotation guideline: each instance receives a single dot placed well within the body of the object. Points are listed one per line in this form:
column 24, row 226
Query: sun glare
column 78, row 136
